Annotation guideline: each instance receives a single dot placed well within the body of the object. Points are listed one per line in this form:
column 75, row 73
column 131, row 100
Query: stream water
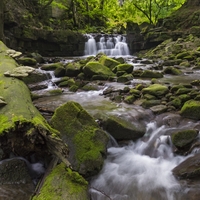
column 140, row 170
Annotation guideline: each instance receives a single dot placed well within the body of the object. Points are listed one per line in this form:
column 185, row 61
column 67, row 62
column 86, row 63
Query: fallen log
column 23, row 130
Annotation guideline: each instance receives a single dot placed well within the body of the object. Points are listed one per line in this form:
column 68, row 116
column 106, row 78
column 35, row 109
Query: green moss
column 87, row 139
column 191, row 109
column 63, row 183
column 129, row 99
column 156, row 90
column 184, row 137
column 108, row 62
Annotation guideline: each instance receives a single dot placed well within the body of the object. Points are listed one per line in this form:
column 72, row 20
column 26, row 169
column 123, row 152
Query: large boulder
column 96, row 68
column 86, row 141
column 108, row 62
column 188, row 169
column 73, row 69
column 184, row 138
column 157, row 90
column 63, row 183
column 191, row 109
column 122, row 129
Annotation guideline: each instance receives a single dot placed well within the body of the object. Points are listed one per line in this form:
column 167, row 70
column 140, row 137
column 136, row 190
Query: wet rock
column 157, row 90
column 108, row 62
column 191, row 109
column 188, row 169
column 158, row 109
column 52, row 66
column 150, row 103
column 95, row 68
column 73, row 69
column 122, row 129
column 128, row 68
column 14, row 171
column 59, row 72
column 171, row 70
column 151, row 74
column 184, row 138
column 63, row 183
column 27, row 61
column 86, row 141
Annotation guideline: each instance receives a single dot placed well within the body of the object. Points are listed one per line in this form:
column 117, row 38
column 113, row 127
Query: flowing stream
column 140, row 170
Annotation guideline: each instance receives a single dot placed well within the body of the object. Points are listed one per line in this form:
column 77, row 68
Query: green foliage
column 109, row 16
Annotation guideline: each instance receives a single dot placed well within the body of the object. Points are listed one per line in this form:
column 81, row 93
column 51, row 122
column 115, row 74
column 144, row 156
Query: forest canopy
column 111, row 14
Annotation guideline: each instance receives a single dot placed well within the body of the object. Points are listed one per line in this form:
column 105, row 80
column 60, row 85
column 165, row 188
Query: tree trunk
column 192, row 3
column 23, row 130
column 2, row 20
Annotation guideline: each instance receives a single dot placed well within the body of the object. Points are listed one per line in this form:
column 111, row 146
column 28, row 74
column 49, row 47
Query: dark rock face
column 47, row 43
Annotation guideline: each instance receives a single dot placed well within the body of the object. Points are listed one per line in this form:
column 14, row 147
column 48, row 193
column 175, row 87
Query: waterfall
column 130, row 173
column 109, row 45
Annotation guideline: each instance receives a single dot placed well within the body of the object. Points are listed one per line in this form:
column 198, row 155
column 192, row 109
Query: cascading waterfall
column 141, row 170
column 110, row 45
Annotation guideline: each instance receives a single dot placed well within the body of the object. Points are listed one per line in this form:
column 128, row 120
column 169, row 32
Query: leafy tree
column 152, row 10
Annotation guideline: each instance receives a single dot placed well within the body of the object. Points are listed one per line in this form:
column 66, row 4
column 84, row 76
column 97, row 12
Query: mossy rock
column 175, row 88
column 129, row 99
column 27, row 61
column 157, row 90
column 59, row 72
column 183, row 91
column 158, row 109
column 95, row 68
column 191, row 109
column 176, row 102
column 172, row 62
column 62, row 184
column 128, row 68
column 73, row 88
column 122, row 129
column 52, row 66
column 172, row 70
column 183, row 138
column 185, row 64
column 182, row 55
column 108, row 62
column 86, row 141
column 150, row 103
column 151, row 74
column 135, row 92
column 149, row 97
column 73, row 69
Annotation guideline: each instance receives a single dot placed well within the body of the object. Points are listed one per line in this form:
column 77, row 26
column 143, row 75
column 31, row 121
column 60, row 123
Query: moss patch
column 62, row 183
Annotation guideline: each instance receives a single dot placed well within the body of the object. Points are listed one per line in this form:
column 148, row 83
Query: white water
column 111, row 46
column 139, row 171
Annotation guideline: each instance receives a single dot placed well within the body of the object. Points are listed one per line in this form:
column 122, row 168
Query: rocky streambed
column 149, row 106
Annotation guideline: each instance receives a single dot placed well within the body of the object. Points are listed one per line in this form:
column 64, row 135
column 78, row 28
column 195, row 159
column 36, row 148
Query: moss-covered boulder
column 87, row 142
column 151, row 74
column 108, row 62
column 95, row 68
column 122, row 129
column 149, row 103
column 172, row 70
column 52, row 66
column 183, row 138
column 59, row 72
column 157, row 90
column 128, row 68
column 73, row 69
column 191, row 109
column 62, row 184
